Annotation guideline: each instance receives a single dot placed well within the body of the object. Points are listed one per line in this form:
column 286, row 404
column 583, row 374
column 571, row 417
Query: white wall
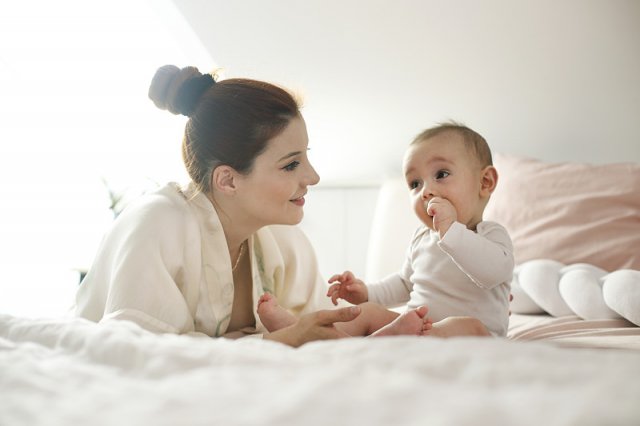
column 338, row 221
column 74, row 110
column 556, row 80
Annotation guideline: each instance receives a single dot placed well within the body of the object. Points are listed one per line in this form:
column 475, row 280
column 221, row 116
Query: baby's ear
column 488, row 181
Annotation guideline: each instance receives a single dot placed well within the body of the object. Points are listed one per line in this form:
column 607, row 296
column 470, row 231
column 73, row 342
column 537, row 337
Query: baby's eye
column 291, row 166
column 414, row 184
column 442, row 174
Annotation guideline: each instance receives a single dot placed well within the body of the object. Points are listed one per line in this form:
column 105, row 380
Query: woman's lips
column 298, row 201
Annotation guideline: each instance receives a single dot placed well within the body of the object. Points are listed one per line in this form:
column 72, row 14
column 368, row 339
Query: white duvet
column 74, row 372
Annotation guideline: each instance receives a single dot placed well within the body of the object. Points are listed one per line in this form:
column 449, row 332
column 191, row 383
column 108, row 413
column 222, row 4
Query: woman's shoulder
column 163, row 201
column 164, row 210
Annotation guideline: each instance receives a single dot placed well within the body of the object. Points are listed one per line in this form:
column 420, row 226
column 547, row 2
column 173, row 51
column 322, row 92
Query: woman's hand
column 315, row 326
column 346, row 286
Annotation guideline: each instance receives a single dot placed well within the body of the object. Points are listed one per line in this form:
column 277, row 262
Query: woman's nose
column 312, row 177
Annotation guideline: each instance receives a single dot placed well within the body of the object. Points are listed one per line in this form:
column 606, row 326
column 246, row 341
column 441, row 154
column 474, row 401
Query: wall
column 74, row 77
column 338, row 221
column 547, row 79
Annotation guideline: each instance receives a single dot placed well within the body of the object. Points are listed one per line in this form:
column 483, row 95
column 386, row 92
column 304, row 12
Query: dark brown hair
column 473, row 140
column 230, row 121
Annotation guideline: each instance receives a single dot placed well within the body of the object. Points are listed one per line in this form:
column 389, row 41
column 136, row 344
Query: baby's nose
column 426, row 194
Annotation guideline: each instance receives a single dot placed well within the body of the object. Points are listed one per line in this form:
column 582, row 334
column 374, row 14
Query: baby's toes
column 265, row 297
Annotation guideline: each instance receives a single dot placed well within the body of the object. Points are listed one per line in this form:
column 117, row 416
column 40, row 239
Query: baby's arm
column 486, row 256
column 346, row 286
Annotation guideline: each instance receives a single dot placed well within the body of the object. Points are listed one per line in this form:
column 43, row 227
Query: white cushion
column 581, row 287
column 522, row 303
column 621, row 291
column 540, row 279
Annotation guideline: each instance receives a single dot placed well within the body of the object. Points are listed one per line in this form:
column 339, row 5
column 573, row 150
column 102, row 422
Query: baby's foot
column 459, row 326
column 273, row 316
column 414, row 323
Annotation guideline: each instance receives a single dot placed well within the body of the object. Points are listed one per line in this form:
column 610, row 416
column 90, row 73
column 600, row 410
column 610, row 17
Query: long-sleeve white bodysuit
column 466, row 273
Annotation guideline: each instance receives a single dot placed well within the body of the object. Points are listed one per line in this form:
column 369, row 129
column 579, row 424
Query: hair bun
column 178, row 90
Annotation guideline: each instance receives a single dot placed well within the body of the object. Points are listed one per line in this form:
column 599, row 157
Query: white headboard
column 392, row 227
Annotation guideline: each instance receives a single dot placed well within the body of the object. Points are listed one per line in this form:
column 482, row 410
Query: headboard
column 392, row 227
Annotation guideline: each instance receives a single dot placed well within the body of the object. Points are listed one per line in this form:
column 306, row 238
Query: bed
column 73, row 372
column 572, row 355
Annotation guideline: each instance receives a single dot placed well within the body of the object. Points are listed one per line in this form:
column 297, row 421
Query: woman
column 196, row 259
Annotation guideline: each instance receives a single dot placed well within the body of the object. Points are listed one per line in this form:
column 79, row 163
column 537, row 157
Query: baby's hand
column 346, row 286
column 443, row 213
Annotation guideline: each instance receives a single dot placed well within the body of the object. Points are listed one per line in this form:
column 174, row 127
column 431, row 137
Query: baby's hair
column 472, row 139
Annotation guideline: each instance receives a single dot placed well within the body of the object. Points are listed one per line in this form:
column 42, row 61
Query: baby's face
column 442, row 166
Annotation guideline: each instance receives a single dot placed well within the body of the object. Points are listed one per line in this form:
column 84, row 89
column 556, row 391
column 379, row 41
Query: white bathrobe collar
column 216, row 302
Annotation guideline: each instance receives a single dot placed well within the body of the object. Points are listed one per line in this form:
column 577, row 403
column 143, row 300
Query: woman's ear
column 223, row 179
column 488, row 181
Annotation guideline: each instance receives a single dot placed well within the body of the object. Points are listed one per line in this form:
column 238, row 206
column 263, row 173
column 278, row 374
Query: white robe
column 165, row 265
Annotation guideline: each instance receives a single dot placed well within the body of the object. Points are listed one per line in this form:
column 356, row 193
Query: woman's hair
column 473, row 140
column 230, row 121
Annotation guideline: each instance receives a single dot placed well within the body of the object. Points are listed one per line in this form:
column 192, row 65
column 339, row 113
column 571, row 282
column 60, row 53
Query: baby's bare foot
column 413, row 323
column 427, row 326
column 273, row 316
column 459, row 326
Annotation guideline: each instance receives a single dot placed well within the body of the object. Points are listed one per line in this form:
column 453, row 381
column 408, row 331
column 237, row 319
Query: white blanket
column 75, row 372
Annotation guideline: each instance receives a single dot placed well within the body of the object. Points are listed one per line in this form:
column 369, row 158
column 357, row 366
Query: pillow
column 569, row 212
column 621, row 291
column 579, row 289
column 539, row 280
column 581, row 286
column 522, row 303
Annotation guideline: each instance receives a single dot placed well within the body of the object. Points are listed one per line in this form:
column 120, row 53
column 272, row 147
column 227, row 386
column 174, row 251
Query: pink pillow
column 569, row 212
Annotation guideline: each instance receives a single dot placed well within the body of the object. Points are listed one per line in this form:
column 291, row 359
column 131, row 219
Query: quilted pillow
column 569, row 212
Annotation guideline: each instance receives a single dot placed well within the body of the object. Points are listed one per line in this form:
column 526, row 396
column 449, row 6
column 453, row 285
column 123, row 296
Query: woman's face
column 273, row 192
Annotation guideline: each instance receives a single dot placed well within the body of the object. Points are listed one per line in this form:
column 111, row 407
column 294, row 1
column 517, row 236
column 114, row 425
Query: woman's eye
column 442, row 174
column 291, row 166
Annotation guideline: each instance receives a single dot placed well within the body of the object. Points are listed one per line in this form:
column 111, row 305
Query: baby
column 457, row 264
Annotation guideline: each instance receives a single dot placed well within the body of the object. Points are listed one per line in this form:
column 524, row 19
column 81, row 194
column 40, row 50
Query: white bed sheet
column 573, row 331
column 74, row 372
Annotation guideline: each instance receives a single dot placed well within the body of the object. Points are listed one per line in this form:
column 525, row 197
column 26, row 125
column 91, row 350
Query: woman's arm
column 141, row 271
column 315, row 326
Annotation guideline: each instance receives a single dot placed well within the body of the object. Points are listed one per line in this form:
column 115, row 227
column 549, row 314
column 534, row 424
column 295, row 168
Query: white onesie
column 466, row 273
